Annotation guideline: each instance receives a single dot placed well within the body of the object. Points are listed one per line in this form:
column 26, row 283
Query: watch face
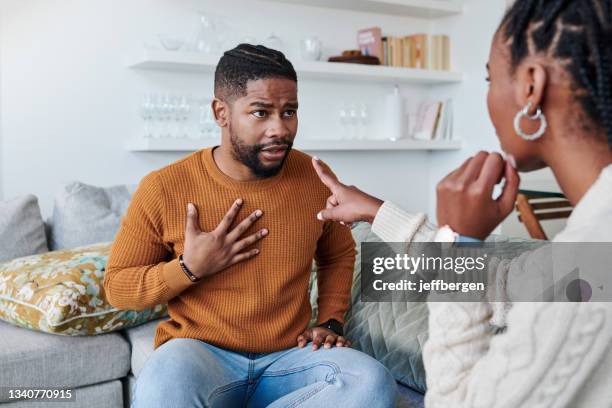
column 445, row 234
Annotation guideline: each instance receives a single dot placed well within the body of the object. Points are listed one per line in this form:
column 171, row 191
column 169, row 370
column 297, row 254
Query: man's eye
column 259, row 114
column 290, row 113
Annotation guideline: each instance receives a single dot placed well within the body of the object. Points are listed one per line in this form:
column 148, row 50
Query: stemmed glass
column 147, row 113
column 363, row 116
column 344, row 120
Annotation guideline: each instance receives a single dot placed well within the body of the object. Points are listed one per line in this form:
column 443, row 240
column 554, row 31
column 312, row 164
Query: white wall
column 68, row 103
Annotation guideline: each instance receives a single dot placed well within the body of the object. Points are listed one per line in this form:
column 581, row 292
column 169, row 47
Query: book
column 444, row 130
column 440, row 52
column 420, row 53
column 385, row 51
column 369, row 42
column 427, row 119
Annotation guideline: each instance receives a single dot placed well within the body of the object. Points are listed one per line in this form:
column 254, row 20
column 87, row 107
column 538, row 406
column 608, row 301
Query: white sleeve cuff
column 392, row 224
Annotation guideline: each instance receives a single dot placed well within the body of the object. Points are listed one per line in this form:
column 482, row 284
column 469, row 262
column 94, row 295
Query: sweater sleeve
column 141, row 272
column 335, row 258
column 545, row 356
column 392, row 224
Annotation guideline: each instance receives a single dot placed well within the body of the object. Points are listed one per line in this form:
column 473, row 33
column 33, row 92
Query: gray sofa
column 101, row 370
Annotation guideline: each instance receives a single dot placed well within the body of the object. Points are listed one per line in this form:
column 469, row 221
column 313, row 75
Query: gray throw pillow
column 22, row 230
column 394, row 333
column 85, row 214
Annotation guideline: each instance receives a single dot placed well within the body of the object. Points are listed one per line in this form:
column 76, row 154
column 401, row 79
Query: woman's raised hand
column 347, row 204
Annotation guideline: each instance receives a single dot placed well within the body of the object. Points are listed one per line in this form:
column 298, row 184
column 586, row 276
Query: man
column 237, row 290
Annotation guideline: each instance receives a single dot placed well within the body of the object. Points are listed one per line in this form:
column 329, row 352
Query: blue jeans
column 186, row 373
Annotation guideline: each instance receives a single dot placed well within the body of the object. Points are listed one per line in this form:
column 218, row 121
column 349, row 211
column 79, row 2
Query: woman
column 550, row 100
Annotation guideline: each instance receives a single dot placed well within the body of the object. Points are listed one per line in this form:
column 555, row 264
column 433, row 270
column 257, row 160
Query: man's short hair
column 246, row 63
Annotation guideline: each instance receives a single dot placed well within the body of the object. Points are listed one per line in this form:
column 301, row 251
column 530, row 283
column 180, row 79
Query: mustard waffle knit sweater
column 260, row 305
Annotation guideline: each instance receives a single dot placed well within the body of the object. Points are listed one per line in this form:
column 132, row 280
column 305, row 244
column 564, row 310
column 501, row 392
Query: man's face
column 262, row 125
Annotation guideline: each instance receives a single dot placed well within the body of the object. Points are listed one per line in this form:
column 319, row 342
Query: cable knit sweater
column 551, row 355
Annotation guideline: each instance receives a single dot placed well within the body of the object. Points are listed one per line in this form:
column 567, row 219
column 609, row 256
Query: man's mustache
column 280, row 142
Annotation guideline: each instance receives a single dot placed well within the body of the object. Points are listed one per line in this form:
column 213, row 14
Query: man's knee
column 171, row 374
column 376, row 385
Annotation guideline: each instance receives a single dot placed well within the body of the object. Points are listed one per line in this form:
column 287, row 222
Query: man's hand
column 319, row 335
column 347, row 204
column 465, row 197
column 207, row 253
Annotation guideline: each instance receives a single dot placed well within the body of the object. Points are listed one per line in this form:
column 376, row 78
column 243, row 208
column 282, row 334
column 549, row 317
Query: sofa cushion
column 33, row 359
column 85, row 214
column 394, row 333
column 22, row 230
column 141, row 339
column 104, row 395
column 62, row 292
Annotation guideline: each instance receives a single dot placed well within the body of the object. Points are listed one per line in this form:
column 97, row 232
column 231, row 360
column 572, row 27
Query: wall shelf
column 412, row 8
column 186, row 145
column 195, row 62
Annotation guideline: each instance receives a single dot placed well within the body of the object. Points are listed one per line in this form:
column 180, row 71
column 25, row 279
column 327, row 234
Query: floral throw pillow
column 62, row 292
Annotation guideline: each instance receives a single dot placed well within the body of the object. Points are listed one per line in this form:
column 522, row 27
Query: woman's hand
column 465, row 197
column 347, row 204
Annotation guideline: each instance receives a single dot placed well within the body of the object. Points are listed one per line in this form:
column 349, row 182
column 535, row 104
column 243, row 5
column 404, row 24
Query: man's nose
column 278, row 128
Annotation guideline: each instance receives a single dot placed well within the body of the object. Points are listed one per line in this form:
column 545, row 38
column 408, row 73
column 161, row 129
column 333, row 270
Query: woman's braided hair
column 246, row 63
column 577, row 32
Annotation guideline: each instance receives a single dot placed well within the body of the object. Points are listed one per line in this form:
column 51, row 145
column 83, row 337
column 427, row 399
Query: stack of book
column 414, row 51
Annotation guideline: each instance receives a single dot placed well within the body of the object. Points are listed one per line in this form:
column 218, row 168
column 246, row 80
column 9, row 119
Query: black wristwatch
column 333, row 325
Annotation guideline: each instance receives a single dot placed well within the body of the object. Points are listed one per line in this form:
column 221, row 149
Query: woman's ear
column 531, row 84
column 221, row 112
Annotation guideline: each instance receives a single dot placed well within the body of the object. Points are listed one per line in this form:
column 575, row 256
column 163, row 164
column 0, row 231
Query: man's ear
column 531, row 84
column 221, row 111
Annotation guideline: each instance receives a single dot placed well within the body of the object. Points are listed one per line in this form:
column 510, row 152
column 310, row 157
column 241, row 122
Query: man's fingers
column 303, row 338
column 192, row 227
column 491, row 172
column 248, row 241
column 329, row 341
column 316, row 342
column 508, row 196
column 244, row 225
column 341, row 341
column 243, row 256
column 227, row 220
column 327, row 177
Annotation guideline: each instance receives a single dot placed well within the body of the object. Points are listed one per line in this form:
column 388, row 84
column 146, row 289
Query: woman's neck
column 577, row 166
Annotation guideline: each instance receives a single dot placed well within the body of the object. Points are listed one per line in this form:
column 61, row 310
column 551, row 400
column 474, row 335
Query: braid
column 246, row 63
column 577, row 32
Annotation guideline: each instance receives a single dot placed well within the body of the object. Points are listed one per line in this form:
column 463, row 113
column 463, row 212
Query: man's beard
column 249, row 155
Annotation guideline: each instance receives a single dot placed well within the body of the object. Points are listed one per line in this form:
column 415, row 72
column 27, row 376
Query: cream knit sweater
column 551, row 355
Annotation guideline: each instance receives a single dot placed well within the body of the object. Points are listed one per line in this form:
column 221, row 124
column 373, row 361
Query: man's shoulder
column 183, row 167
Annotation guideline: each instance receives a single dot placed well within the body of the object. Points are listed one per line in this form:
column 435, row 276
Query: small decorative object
column 170, row 42
column 310, row 49
column 207, row 38
column 274, row 42
column 355, row 57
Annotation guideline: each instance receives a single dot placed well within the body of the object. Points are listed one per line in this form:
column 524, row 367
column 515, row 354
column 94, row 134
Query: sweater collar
column 211, row 168
column 596, row 202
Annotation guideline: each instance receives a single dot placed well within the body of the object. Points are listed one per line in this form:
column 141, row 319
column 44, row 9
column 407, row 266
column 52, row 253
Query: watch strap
column 333, row 325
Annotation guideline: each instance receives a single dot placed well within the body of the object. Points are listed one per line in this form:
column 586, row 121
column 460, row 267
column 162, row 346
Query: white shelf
column 187, row 145
column 195, row 62
column 412, row 8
